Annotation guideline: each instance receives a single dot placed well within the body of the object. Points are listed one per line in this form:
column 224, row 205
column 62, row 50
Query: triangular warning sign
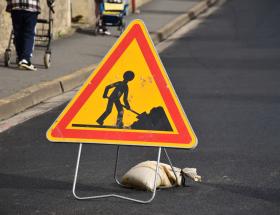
column 128, row 100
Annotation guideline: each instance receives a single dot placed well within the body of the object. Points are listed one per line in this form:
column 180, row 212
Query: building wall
column 62, row 16
column 85, row 9
column 5, row 26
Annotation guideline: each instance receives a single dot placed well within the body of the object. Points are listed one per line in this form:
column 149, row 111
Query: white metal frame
column 117, row 181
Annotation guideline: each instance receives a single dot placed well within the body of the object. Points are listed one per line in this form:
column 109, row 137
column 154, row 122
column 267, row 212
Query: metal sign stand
column 118, row 182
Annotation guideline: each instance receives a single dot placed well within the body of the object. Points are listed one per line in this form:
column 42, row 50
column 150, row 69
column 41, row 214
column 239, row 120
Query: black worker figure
column 121, row 88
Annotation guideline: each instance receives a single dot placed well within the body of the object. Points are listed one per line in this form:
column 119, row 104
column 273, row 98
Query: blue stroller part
column 112, row 14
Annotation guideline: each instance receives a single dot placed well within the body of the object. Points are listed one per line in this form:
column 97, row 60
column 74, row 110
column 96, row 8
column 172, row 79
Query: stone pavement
column 75, row 57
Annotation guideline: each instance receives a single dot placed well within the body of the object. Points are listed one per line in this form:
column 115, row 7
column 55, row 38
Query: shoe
column 100, row 30
column 24, row 64
column 106, row 32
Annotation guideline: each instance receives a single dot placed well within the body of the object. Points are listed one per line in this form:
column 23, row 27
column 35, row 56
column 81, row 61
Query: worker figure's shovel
column 139, row 115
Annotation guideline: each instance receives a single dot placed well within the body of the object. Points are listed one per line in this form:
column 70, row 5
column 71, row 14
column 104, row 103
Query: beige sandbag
column 171, row 177
column 142, row 176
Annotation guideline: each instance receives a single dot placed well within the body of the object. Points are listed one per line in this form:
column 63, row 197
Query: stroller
column 43, row 37
column 112, row 14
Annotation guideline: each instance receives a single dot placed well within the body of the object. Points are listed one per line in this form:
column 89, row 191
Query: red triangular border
column 183, row 136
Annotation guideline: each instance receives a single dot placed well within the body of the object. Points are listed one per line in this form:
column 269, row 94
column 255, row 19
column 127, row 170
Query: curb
column 182, row 20
column 37, row 93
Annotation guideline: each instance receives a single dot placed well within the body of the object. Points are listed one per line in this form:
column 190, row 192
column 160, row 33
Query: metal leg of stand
column 116, row 168
column 172, row 167
column 113, row 195
column 75, row 180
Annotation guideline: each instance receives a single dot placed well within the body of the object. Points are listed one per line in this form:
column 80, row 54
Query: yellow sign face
column 127, row 100
column 143, row 93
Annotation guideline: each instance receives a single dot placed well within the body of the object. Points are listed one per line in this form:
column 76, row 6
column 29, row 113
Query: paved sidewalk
column 74, row 58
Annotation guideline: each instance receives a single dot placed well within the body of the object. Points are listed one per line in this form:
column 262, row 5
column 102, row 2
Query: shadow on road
column 267, row 194
column 11, row 181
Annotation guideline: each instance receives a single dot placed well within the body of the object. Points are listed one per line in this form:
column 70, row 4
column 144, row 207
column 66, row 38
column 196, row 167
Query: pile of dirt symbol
column 155, row 120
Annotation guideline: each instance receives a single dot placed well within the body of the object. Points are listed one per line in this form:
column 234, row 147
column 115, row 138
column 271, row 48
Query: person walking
column 24, row 15
column 99, row 8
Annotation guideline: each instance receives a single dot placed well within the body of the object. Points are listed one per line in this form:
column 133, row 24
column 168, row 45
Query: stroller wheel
column 47, row 60
column 7, row 57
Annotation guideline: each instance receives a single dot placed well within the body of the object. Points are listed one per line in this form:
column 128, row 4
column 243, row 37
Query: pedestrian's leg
column 17, row 20
column 100, row 20
column 120, row 114
column 29, row 34
column 105, row 29
column 106, row 113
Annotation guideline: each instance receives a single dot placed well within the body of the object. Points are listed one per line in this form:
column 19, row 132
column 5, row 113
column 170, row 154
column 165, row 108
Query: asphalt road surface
column 226, row 74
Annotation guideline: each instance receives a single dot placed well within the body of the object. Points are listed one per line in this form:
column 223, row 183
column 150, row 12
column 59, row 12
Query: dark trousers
column 24, row 23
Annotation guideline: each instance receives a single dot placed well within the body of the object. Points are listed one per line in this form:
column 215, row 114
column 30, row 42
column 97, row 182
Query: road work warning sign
column 128, row 100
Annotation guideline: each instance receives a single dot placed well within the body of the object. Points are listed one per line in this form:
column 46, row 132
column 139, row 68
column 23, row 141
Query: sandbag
column 191, row 173
column 142, row 176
